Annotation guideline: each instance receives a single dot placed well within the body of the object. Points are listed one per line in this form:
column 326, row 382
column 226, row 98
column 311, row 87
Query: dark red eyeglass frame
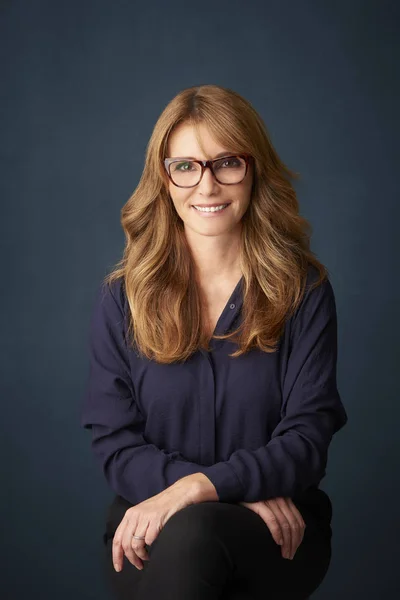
column 204, row 164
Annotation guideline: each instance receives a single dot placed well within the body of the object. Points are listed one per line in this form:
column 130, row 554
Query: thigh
column 185, row 557
column 259, row 568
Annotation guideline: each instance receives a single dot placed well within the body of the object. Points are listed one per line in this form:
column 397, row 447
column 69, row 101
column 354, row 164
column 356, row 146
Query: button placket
column 207, row 410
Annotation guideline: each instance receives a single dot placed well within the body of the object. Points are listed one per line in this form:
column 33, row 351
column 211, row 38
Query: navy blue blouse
column 258, row 426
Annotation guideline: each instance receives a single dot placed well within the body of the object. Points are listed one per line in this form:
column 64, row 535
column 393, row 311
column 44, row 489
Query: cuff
column 226, row 482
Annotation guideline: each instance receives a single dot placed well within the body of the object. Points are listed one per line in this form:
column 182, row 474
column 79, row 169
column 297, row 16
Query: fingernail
column 117, row 568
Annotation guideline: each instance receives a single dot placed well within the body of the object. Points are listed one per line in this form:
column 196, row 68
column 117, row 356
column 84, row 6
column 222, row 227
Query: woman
column 212, row 394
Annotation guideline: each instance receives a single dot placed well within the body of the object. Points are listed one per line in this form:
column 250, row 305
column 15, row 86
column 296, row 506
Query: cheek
column 244, row 204
column 180, row 201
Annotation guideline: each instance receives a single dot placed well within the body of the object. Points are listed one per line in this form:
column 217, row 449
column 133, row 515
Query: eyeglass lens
column 226, row 170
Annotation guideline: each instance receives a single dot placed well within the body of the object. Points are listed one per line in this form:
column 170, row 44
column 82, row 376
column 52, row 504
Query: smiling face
column 183, row 143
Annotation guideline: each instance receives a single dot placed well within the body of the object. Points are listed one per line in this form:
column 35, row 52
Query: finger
column 136, row 549
column 300, row 524
column 129, row 545
column 272, row 523
column 139, row 547
column 285, row 526
column 117, row 551
column 296, row 512
column 293, row 525
column 289, row 510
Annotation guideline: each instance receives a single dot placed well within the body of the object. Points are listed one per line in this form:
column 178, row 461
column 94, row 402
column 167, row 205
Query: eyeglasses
column 228, row 170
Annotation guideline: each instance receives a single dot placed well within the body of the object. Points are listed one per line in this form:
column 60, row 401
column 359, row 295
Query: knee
column 190, row 529
column 193, row 520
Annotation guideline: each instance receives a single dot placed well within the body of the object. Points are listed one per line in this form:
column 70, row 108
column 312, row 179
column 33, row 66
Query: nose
column 208, row 181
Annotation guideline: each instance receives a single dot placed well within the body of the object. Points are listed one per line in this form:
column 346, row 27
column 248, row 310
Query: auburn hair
column 165, row 320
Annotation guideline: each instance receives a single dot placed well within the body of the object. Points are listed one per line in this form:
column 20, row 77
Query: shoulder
column 110, row 298
column 314, row 290
column 317, row 297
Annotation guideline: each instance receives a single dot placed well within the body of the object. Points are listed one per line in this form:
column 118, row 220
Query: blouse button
column 232, row 305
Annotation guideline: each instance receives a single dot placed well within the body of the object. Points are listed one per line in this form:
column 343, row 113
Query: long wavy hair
column 158, row 271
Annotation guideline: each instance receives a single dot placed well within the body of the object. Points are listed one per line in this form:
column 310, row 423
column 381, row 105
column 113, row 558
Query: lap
column 258, row 564
column 257, row 559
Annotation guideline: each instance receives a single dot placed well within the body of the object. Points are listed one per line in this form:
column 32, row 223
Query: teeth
column 211, row 208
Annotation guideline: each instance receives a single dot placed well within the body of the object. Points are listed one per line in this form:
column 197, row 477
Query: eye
column 229, row 163
column 182, row 166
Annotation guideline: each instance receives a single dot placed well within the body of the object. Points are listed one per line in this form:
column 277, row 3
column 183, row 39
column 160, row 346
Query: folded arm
column 294, row 458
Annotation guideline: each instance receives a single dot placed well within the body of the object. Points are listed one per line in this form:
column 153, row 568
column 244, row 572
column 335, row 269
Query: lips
column 211, row 205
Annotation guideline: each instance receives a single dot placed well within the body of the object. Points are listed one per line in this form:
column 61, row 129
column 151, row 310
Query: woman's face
column 183, row 143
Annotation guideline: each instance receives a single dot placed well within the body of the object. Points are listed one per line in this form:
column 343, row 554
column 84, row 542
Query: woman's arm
column 296, row 456
column 133, row 468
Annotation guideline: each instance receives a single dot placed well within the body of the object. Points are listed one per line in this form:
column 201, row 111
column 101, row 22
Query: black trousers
column 217, row 550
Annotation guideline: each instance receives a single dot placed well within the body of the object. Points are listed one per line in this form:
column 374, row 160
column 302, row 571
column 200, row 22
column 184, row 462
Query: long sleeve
column 296, row 455
column 132, row 467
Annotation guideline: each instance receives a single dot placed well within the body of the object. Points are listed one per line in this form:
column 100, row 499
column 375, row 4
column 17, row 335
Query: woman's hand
column 147, row 519
column 283, row 520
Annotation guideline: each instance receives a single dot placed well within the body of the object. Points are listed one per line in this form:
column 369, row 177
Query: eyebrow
column 223, row 153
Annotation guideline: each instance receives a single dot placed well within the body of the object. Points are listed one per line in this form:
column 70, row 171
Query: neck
column 216, row 257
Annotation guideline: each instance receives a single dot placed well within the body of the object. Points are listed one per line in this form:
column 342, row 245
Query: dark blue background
column 82, row 85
